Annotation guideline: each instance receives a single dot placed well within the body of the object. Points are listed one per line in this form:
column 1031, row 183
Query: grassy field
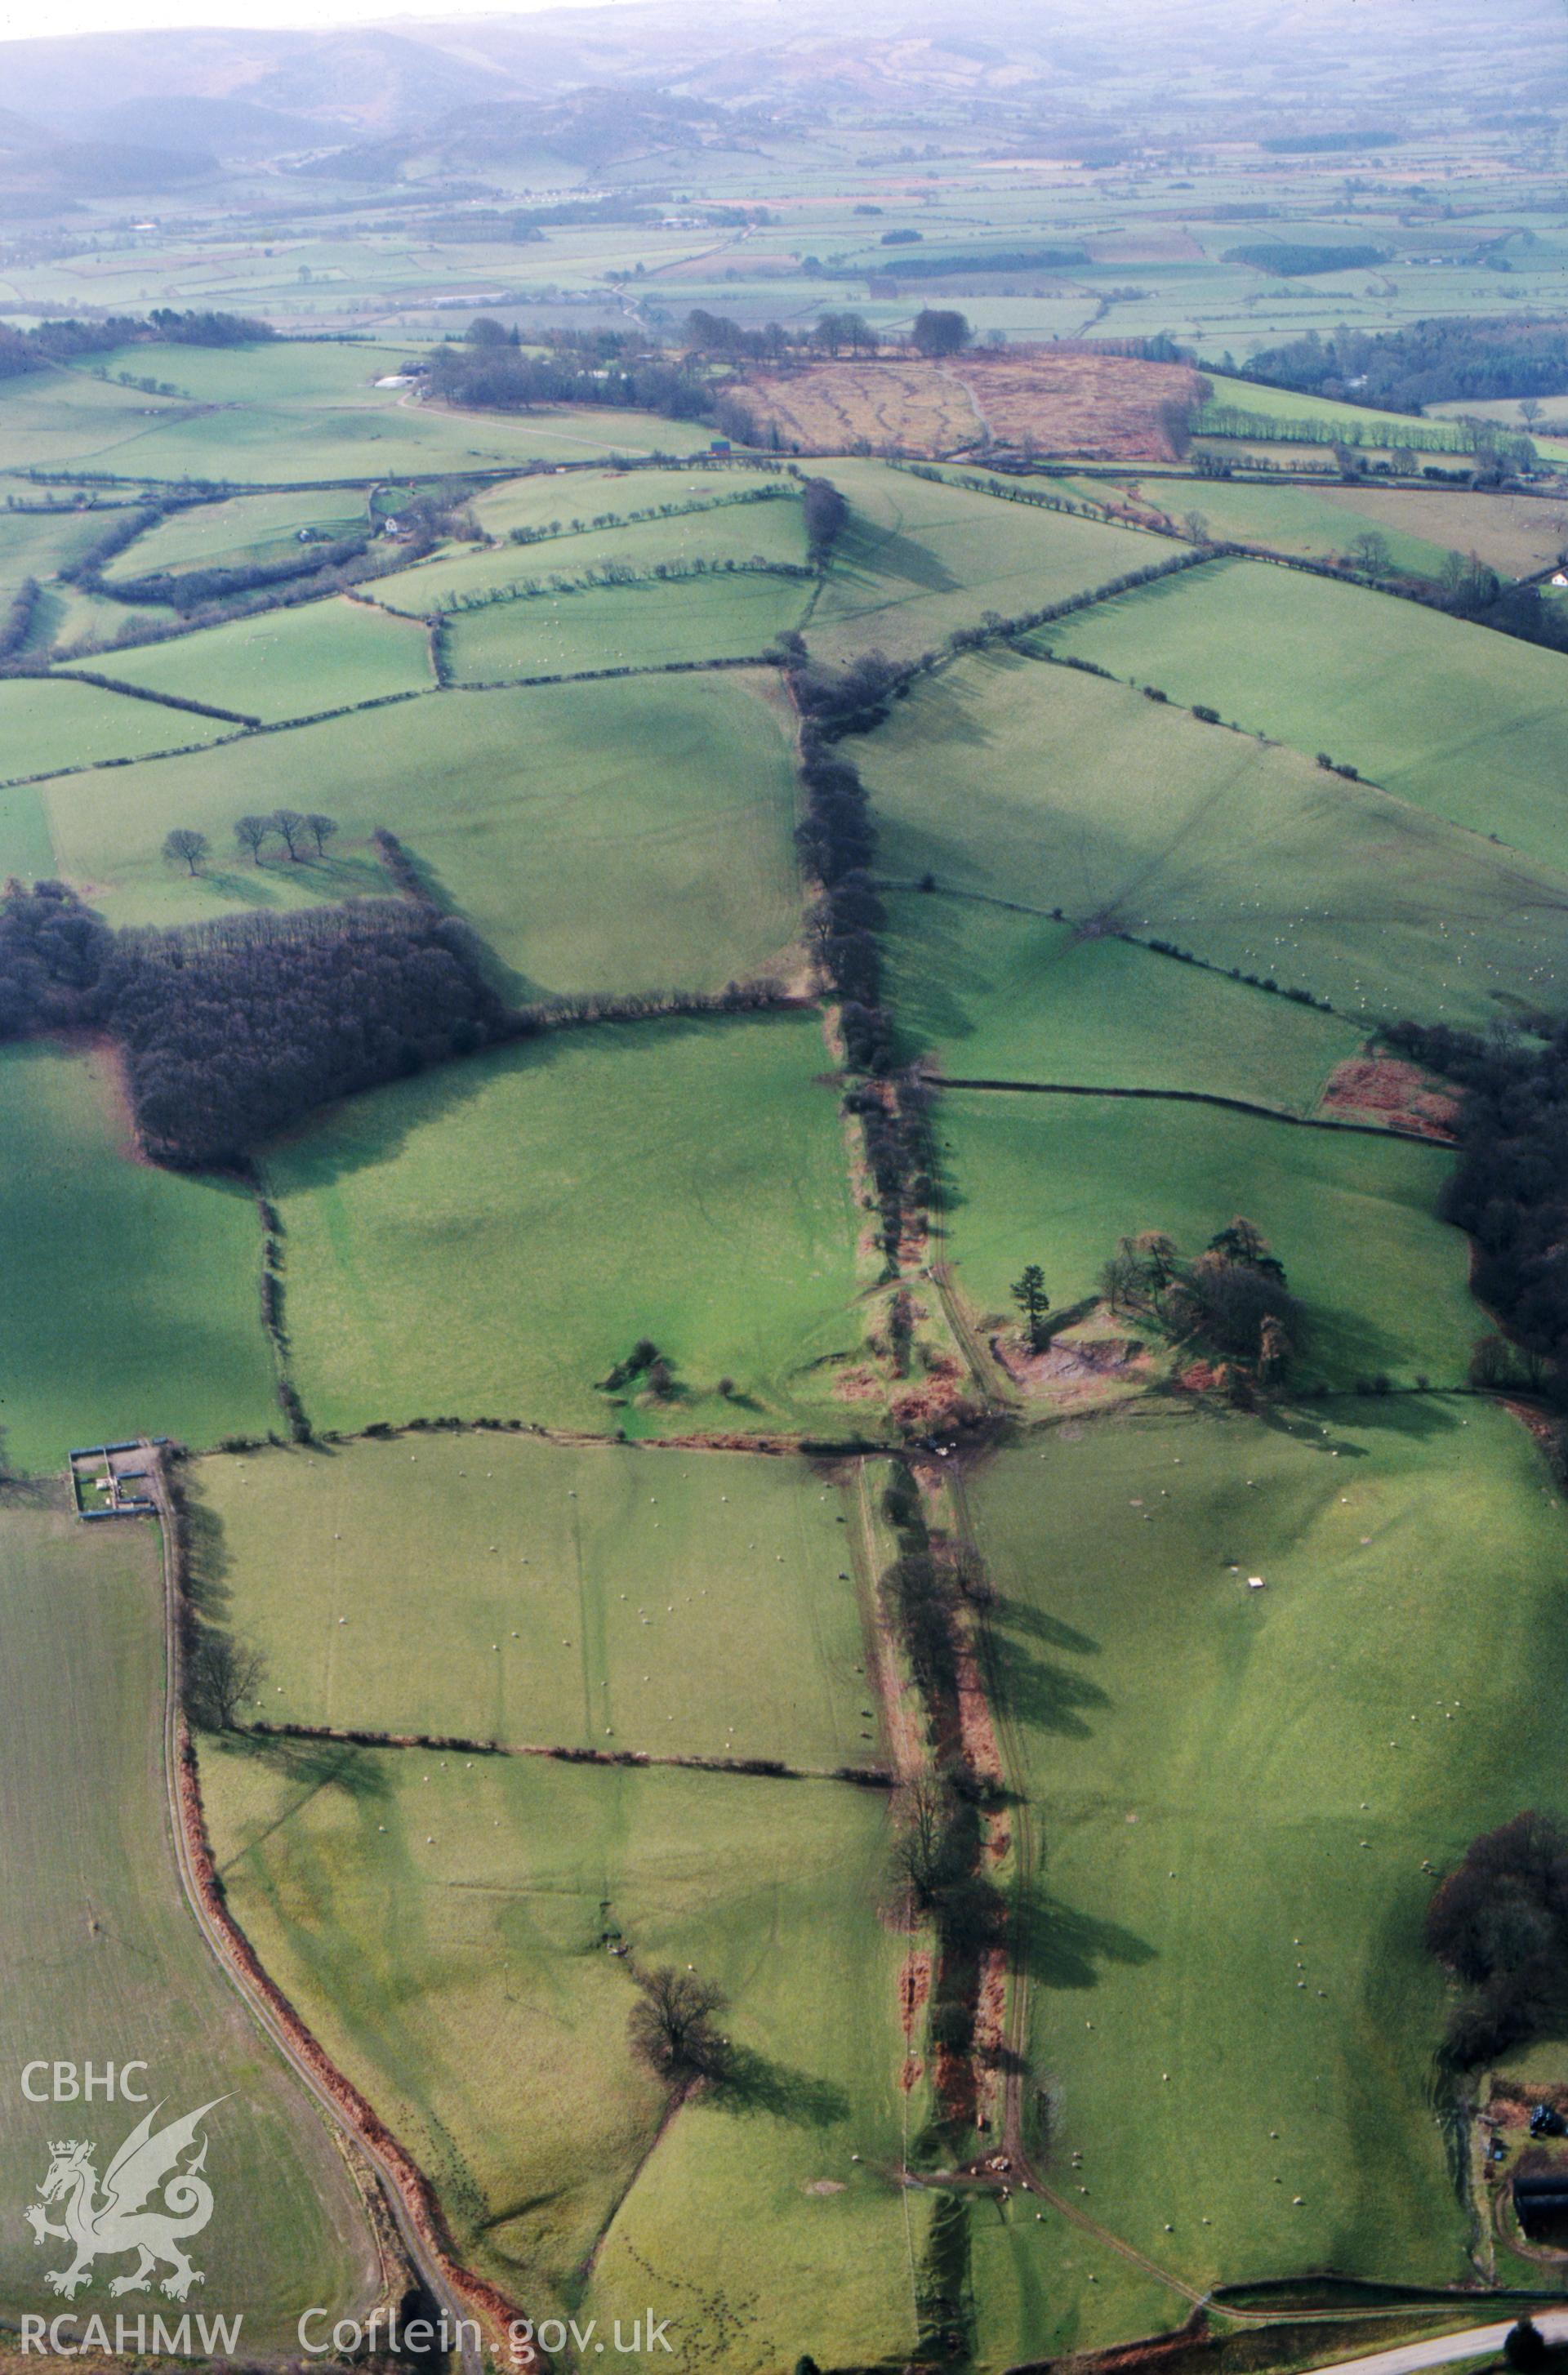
column 1455, row 717
column 1057, row 1180
column 618, row 836
column 1235, row 1792
column 442, row 1927
column 51, row 723
column 234, row 534
column 285, row 662
column 736, row 1633
column 1306, row 521
column 490, row 1239
column 35, row 543
column 740, row 532
column 918, row 559
column 990, row 994
column 648, row 626
column 1516, row 534
column 130, row 1305
column 548, row 499
column 108, row 1965
column 1040, row 785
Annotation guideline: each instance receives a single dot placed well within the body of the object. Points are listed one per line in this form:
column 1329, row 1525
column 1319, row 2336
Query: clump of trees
column 938, row 332
column 53, row 951
column 673, row 2026
column 57, row 342
column 1434, row 361
column 1499, row 1925
column 1232, row 1300
column 236, row 1029
column 826, row 514
column 1509, row 1188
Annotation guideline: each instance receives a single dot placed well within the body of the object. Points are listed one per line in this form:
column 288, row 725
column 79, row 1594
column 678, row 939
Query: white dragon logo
column 122, row 2221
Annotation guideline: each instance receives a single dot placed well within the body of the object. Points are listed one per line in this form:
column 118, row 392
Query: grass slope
column 740, row 532
column 597, row 838
column 684, row 1605
column 1039, row 784
column 443, row 1926
column 1058, row 1179
column 285, row 662
column 108, row 1967
column 919, row 558
column 129, row 1305
column 1235, row 1794
column 1461, row 720
column 991, row 994
column 51, row 723
column 244, row 530
column 647, row 626
column 490, row 1239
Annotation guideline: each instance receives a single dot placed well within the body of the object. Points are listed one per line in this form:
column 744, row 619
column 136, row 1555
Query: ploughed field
column 555, row 1411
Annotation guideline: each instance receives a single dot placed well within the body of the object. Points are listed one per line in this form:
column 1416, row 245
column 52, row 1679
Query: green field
column 283, row 664
column 552, row 499
column 50, row 724
column 987, row 993
column 597, row 838
column 919, row 558
column 490, row 1239
column 1455, row 717
column 234, row 534
column 259, row 415
column 1040, row 785
column 441, row 1926
column 108, row 1965
column 1316, row 524
column 35, row 543
column 1057, row 1180
column 740, row 532
column 1234, row 1793
column 549, row 1613
column 647, row 626
column 130, row 1305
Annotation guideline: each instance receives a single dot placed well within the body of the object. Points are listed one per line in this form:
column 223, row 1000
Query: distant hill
column 197, row 126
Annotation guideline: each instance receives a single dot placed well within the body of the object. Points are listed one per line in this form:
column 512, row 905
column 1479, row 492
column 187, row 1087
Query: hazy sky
column 25, row 20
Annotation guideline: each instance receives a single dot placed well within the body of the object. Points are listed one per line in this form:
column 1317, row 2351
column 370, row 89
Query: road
column 1475, row 2341
column 429, row 2272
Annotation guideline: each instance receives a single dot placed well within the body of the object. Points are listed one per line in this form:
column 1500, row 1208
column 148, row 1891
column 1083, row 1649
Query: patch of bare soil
column 1388, row 1087
column 975, row 1727
column 914, row 1985
column 990, row 2030
column 1105, row 407
column 1073, row 1369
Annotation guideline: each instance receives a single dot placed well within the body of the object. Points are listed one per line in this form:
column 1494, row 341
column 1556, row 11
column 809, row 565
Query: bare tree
column 323, row 828
column 252, row 832
column 671, row 2025
column 922, row 1851
column 222, row 1676
column 291, row 825
column 185, row 846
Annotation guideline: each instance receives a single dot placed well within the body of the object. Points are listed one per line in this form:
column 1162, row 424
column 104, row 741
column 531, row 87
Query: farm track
column 420, row 2256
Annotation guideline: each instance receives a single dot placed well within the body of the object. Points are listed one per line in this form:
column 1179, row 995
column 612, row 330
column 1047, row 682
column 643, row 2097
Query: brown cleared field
column 1106, row 408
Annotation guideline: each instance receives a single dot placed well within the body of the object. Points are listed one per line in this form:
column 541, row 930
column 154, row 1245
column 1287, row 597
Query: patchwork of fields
column 623, row 1521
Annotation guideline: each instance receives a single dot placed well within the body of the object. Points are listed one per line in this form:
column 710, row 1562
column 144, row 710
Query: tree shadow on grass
column 1063, row 1947
column 1041, row 1692
column 745, row 2083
